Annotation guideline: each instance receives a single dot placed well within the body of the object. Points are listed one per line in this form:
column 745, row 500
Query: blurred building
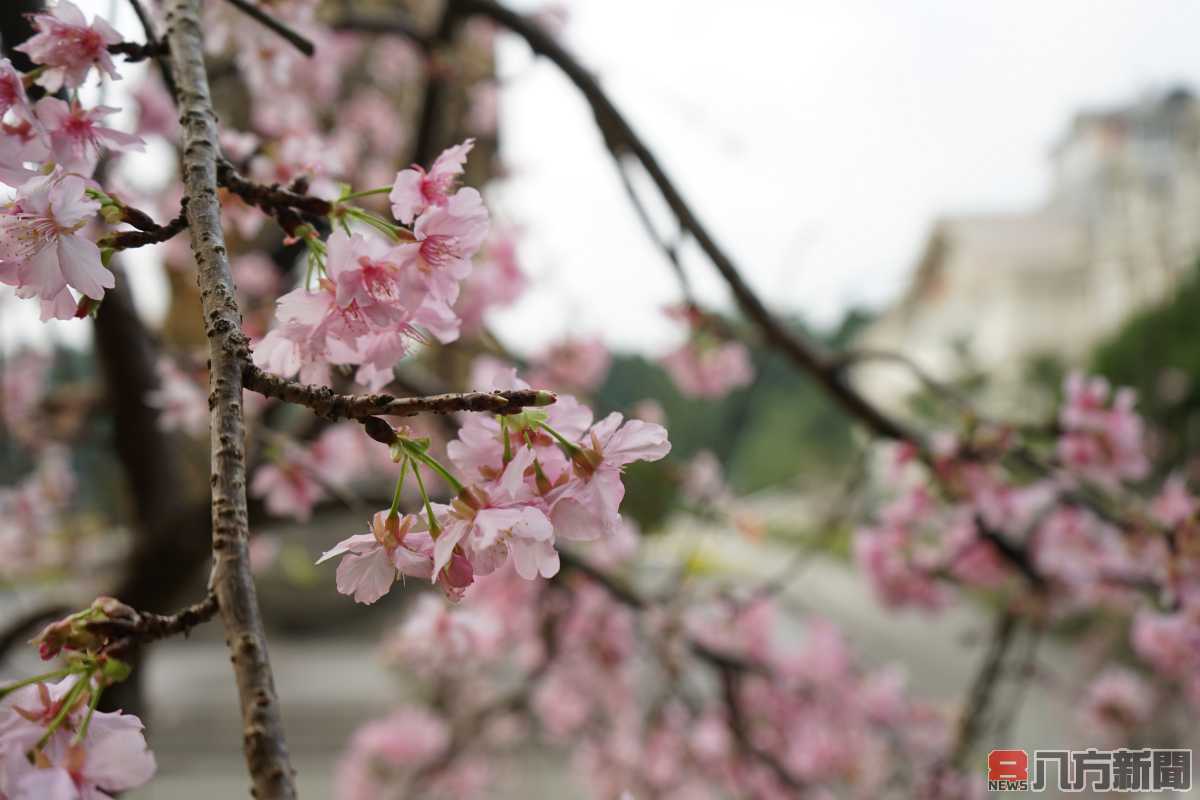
column 1121, row 225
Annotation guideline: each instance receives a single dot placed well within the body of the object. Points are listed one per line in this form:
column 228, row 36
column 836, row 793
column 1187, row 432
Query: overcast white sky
column 818, row 140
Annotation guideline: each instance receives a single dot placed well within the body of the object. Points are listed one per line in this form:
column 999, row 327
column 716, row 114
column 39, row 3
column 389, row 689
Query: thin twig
column 983, row 689
column 264, row 743
column 290, row 209
column 397, row 23
column 301, row 43
column 147, row 230
column 142, row 627
column 668, row 249
column 155, row 44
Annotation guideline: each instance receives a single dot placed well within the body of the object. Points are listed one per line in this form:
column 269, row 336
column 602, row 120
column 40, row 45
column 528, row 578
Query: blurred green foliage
column 1157, row 352
column 779, row 431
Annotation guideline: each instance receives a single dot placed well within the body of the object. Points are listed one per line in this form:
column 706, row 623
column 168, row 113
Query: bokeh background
column 1002, row 191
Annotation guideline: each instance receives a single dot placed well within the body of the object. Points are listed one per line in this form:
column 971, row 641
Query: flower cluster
column 963, row 520
column 32, row 523
column 377, row 292
column 709, row 364
column 1053, row 543
column 59, row 747
column 565, row 662
column 1101, row 440
column 48, row 151
column 298, row 476
column 527, row 480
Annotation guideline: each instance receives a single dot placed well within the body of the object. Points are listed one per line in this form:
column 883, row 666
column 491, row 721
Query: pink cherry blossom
column 1116, row 704
column 368, row 275
column 709, row 370
column 156, row 114
column 415, row 190
column 704, row 480
column 589, row 507
column 76, row 137
column 437, row 637
column 880, row 554
column 1168, row 642
column 489, row 527
column 12, row 93
column 387, row 750
column 289, row 486
column 299, row 477
column 314, row 332
column 497, row 280
column 42, row 248
column 1101, row 441
column 182, row 403
column 374, row 304
column 447, row 236
column 69, row 47
column 22, row 143
column 111, row 758
column 372, row 562
column 571, row 365
column 1175, row 504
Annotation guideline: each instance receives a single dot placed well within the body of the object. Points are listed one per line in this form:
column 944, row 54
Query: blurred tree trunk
column 15, row 28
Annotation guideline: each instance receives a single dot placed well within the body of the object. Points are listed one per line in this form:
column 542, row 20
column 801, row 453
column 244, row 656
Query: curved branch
column 620, row 137
column 301, row 43
column 264, row 743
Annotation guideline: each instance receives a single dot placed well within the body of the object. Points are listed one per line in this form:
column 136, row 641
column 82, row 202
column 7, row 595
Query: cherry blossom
column 69, row 47
column 573, row 365
column 374, row 303
column 43, row 250
column 497, row 280
column 1102, row 441
column 1116, row 703
column 12, row 93
column 24, row 148
column 180, row 400
column 415, row 190
column 447, row 236
column 389, row 748
column 439, row 637
column 709, row 370
column 112, row 757
column 395, row 547
column 76, row 137
column 588, row 507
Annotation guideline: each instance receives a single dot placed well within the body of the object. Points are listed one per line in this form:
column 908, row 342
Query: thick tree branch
column 264, row 743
